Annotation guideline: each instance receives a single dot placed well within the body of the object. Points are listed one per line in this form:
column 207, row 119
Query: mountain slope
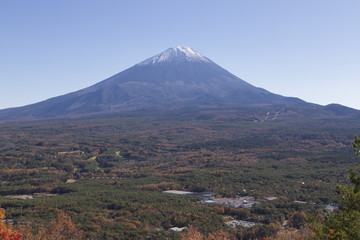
column 177, row 78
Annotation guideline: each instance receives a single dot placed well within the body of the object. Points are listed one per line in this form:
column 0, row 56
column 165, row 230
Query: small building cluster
column 241, row 202
column 208, row 198
column 242, row 223
column 238, row 202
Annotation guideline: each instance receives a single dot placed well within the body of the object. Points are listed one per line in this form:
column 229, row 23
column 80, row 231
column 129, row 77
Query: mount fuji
column 178, row 78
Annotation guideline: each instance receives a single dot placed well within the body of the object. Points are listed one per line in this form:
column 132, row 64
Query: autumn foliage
column 294, row 234
column 61, row 228
column 194, row 234
column 6, row 231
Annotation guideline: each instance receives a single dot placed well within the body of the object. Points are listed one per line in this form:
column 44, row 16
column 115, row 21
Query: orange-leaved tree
column 6, row 231
column 61, row 228
column 193, row 234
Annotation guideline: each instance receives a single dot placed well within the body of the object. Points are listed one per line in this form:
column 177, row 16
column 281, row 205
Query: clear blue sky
column 302, row 48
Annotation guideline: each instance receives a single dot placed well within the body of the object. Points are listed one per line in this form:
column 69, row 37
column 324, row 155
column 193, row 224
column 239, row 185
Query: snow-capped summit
column 176, row 54
column 178, row 78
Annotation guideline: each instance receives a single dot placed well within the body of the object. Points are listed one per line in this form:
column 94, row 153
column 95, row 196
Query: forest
column 107, row 173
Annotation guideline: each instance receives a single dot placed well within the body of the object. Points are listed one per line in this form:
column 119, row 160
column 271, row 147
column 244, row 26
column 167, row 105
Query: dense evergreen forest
column 108, row 173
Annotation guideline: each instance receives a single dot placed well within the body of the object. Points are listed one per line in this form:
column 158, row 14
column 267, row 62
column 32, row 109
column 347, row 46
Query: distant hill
column 178, row 78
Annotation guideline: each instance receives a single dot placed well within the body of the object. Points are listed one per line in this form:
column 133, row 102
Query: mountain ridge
column 176, row 78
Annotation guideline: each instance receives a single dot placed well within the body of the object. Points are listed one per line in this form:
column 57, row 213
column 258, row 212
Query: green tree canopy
column 345, row 223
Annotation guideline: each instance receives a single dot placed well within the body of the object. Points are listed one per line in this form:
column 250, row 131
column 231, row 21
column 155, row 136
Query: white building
column 177, row 192
column 176, row 229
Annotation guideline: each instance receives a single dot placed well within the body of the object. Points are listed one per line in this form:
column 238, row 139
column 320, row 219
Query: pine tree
column 356, row 145
column 345, row 223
